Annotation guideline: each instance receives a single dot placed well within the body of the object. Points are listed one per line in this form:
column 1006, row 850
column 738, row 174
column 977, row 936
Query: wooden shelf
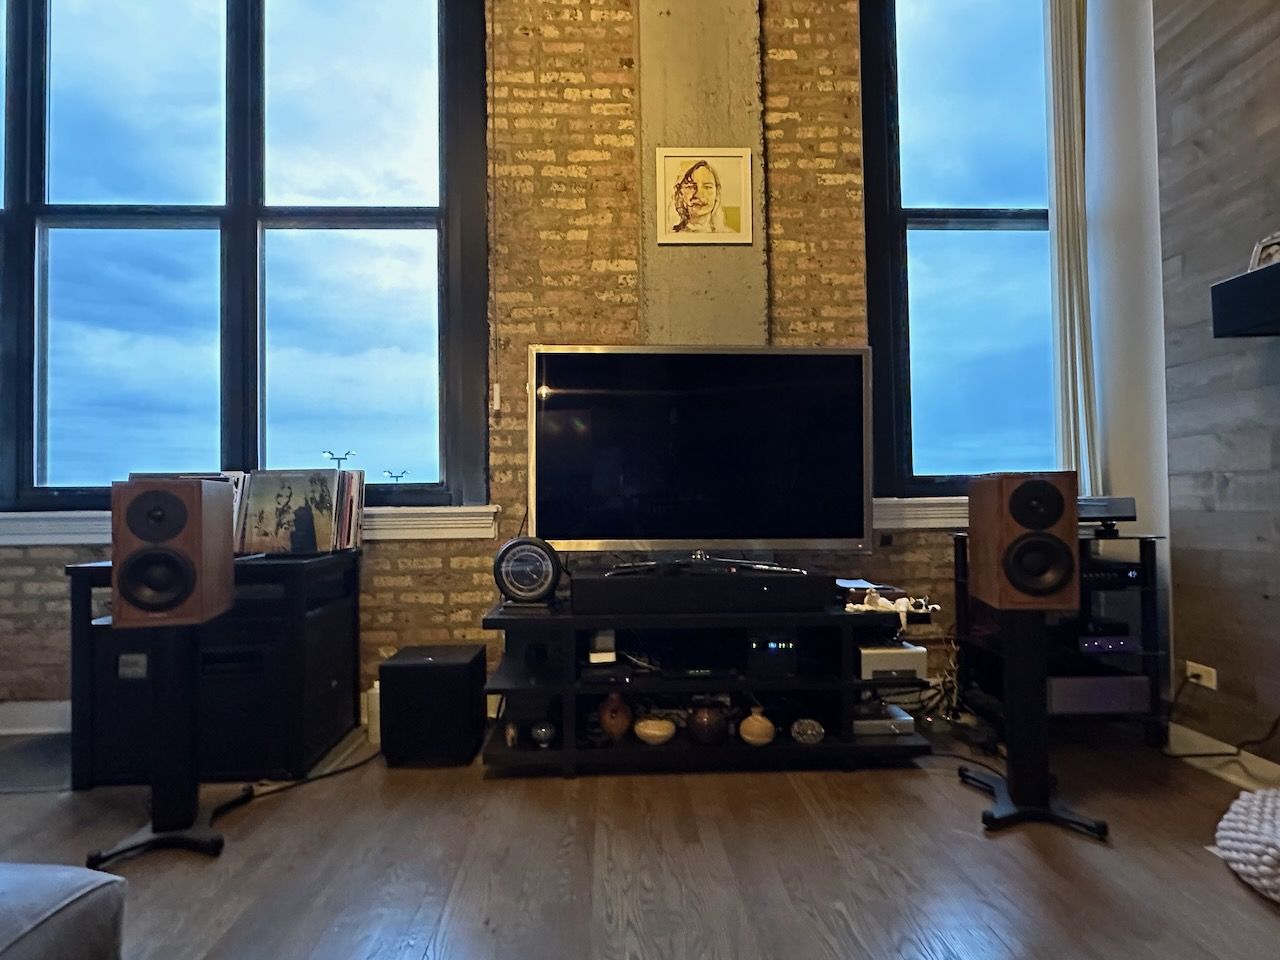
column 503, row 617
column 659, row 684
column 681, row 752
column 512, row 676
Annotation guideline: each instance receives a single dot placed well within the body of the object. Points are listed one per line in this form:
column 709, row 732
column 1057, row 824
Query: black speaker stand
column 1005, row 813
column 1025, row 793
column 200, row 837
column 177, row 822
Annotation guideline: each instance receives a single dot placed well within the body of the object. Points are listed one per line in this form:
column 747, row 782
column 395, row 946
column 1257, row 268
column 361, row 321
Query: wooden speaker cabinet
column 1024, row 541
column 172, row 556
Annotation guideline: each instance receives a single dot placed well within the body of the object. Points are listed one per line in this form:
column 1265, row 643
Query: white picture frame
column 1265, row 252
column 704, row 195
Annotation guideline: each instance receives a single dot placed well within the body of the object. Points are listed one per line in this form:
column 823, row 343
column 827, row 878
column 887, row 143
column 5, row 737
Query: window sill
column 920, row 513
column 93, row 527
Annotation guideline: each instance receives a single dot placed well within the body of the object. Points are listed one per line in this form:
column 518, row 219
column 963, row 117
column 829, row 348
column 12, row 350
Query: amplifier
column 770, row 657
column 1101, row 574
column 1079, row 695
column 1105, row 635
column 742, row 592
column 900, row 661
column 885, row 721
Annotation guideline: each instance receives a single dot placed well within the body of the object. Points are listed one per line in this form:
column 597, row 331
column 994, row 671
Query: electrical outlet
column 1207, row 676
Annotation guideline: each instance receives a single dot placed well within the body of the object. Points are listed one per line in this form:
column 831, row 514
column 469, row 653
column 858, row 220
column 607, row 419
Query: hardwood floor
column 871, row 864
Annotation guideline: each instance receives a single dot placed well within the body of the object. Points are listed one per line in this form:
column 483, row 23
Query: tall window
column 958, row 245
column 241, row 233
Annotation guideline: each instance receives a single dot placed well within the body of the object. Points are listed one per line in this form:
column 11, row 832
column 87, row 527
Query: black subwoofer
column 432, row 703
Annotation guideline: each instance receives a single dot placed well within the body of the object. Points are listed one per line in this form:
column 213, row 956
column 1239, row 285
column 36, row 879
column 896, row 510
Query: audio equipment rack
column 542, row 676
column 1142, row 664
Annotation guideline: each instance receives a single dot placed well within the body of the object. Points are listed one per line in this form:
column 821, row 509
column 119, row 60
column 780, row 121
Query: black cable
column 252, row 792
column 976, row 763
column 1236, row 749
column 1271, row 732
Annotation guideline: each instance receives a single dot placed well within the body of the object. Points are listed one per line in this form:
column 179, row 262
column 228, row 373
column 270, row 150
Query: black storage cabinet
column 278, row 684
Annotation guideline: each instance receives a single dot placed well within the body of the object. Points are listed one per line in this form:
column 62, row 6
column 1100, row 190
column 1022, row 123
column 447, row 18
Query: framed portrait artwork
column 704, row 195
column 1265, row 252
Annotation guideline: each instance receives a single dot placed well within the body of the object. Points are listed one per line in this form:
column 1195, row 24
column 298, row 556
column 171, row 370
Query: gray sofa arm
column 49, row 912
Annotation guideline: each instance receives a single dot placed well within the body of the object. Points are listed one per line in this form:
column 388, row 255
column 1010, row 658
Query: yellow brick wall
column 813, row 170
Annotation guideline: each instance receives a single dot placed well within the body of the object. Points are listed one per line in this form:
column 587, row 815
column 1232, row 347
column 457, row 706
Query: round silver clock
column 527, row 570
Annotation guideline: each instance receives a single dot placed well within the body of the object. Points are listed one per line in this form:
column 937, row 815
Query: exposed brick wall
column 813, row 164
column 564, row 254
column 34, row 620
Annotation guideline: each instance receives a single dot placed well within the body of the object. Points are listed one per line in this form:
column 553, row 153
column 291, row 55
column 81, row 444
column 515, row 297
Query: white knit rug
column 1248, row 838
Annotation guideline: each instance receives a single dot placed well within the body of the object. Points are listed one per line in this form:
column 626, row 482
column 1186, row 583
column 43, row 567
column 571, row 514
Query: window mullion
column 240, row 237
column 977, row 218
column 24, row 191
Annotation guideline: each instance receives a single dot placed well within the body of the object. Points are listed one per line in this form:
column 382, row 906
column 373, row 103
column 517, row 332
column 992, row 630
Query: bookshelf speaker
column 172, row 559
column 1024, row 541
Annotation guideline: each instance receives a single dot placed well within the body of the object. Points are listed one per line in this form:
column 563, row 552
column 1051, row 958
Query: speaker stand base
column 1005, row 813
column 200, row 837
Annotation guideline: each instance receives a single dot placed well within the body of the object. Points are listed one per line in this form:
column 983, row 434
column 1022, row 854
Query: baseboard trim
column 20, row 717
column 1249, row 770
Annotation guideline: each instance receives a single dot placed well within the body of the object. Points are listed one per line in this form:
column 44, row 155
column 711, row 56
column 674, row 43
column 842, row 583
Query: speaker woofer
column 1036, row 504
column 1039, row 564
column 156, row 515
column 156, row 579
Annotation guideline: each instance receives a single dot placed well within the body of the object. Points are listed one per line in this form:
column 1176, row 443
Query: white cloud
column 378, row 287
column 972, row 102
column 977, row 293
column 136, row 100
column 352, row 110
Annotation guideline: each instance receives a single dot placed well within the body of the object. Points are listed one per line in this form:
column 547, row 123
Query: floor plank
column 451, row 865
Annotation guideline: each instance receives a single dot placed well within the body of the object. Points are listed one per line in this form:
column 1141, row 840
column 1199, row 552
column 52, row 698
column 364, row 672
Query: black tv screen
column 651, row 448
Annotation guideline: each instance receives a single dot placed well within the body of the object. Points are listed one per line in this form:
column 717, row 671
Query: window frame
column 887, row 225
column 460, row 218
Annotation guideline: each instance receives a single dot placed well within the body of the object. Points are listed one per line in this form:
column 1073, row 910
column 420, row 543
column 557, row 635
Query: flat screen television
column 667, row 448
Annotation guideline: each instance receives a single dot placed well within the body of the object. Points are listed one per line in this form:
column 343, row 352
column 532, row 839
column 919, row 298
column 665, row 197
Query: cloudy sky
column 137, row 115
column 973, row 128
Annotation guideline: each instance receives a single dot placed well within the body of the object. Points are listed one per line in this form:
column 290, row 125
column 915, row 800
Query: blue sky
column 137, row 115
column 973, row 129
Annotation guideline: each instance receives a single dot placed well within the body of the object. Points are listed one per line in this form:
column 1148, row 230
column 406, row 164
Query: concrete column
column 700, row 81
column 1122, row 202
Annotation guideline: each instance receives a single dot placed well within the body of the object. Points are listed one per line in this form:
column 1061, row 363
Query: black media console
column 545, row 676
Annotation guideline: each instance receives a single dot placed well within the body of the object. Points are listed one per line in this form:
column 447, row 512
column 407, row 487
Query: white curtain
column 1073, row 346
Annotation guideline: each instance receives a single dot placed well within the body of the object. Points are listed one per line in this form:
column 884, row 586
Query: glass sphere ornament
column 543, row 732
